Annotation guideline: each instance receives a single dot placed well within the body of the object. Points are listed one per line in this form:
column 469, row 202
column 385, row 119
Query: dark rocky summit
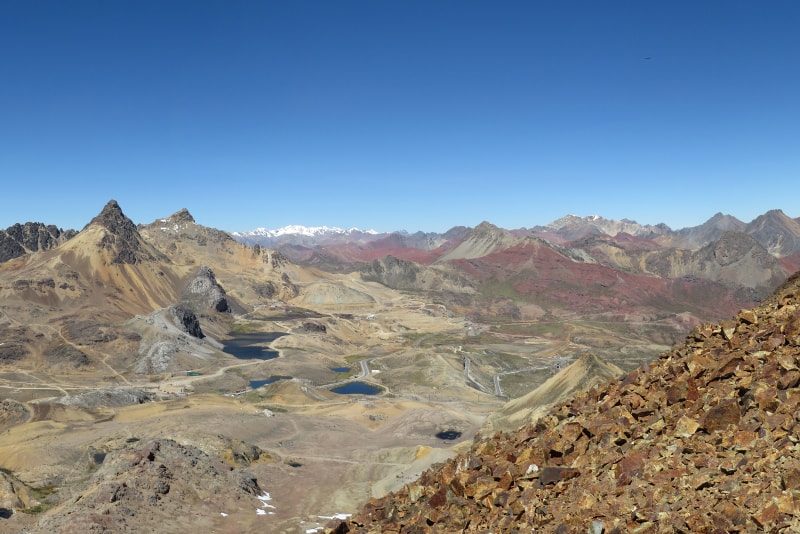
column 704, row 439
column 181, row 216
column 21, row 239
column 123, row 239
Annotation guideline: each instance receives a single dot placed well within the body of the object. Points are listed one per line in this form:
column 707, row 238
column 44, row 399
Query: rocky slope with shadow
column 703, row 439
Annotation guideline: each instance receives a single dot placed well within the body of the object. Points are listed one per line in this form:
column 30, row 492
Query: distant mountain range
column 776, row 231
column 300, row 234
column 590, row 266
column 751, row 258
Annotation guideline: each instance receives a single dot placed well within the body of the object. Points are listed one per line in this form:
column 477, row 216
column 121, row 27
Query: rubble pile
column 704, row 439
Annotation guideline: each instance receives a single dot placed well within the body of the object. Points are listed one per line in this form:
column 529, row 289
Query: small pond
column 340, row 369
column 448, row 435
column 248, row 346
column 255, row 384
column 357, row 388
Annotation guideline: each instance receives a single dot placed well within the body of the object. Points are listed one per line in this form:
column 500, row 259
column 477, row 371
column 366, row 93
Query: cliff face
column 703, row 439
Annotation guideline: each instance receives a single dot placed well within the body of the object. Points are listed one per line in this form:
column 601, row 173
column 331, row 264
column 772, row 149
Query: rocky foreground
column 704, row 439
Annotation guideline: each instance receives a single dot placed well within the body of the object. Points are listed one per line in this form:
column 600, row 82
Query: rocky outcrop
column 21, row 239
column 12, row 413
column 14, row 495
column 407, row 275
column 701, row 440
column 110, row 397
column 203, row 292
column 311, row 327
column 67, row 355
column 180, row 217
column 154, row 486
column 186, row 320
column 392, row 272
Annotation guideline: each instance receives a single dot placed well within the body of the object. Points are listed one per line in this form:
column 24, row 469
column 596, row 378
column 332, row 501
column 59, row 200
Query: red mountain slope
column 536, row 271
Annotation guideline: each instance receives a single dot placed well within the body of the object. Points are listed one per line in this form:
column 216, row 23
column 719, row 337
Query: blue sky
column 413, row 115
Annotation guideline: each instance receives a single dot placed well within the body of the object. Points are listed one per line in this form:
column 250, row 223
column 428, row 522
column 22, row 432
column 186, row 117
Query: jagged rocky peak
column 122, row 239
column 112, row 218
column 20, row 239
column 180, row 217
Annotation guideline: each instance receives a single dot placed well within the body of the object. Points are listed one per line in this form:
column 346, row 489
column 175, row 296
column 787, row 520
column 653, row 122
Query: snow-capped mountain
column 298, row 234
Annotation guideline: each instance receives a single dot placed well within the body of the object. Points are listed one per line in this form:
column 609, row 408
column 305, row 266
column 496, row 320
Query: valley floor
column 328, row 453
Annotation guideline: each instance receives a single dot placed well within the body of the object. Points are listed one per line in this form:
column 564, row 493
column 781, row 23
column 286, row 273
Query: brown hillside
column 106, row 268
column 701, row 440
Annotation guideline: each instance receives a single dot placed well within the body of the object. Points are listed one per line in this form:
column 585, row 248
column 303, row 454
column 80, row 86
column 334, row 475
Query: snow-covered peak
column 309, row 231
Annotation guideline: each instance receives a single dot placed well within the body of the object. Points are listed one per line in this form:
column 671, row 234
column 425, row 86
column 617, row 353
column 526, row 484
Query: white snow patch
column 309, row 231
column 259, row 511
column 335, row 516
column 223, row 514
column 265, row 503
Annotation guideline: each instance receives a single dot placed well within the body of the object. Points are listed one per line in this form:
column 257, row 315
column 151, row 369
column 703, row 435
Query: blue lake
column 357, row 388
column 248, row 346
column 340, row 369
column 274, row 378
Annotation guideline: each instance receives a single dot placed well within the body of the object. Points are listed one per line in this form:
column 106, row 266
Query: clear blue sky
column 416, row 115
